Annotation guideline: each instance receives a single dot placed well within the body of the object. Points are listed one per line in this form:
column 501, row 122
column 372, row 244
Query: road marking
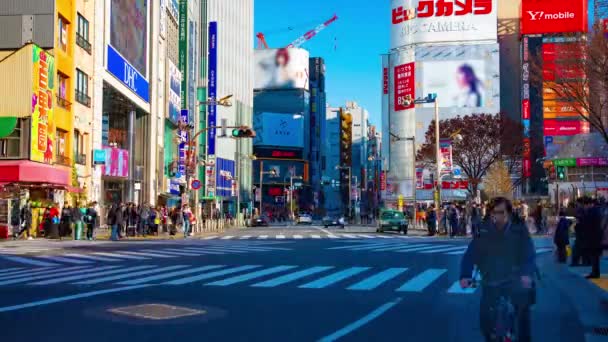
column 120, row 256
column 377, row 279
column 28, row 261
column 192, row 250
column 297, row 236
column 210, row 275
column 366, row 236
column 36, row 277
column 38, row 271
column 10, row 270
column 544, row 250
column 172, row 253
column 421, row 281
column 349, row 236
column 263, row 237
column 250, row 276
column 387, row 246
column 64, row 259
column 89, row 275
column 292, row 276
column 334, row 278
column 129, row 275
column 447, row 249
column 315, row 236
column 150, row 254
column 210, row 237
column 66, row 298
column 360, row 322
column 332, row 236
column 324, row 230
column 228, row 237
column 280, row 236
column 244, row 237
column 418, row 248
column 457, row 252
column 455, row 288
column 364, row 246
column 169, row 275
column 96, row 258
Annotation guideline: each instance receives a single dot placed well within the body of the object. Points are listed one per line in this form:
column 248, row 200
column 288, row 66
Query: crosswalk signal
column 431, row 97
column 243, row 132
column 561, row 172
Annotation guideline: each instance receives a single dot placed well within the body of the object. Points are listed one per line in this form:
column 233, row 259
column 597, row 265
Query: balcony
column 83, row 43
column 64, row 103
column 63, row 160
column 81, row 159
column 83, row 98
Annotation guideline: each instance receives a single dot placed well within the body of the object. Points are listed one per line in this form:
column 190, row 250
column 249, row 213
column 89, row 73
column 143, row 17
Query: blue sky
column 351, row 46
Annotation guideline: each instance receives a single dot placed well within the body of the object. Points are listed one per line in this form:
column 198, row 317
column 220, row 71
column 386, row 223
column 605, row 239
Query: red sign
column 382, row 181
column 275, row 191
column 442, row 8
column 385, row 81
column 404, row 86
column 525, row 109
column 555, row 127
column 551, row 16
column 283, row 154
column 463, row 185
column 526, row 148
column 527, row 168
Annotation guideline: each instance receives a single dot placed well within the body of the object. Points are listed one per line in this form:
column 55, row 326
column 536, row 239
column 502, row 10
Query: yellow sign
column 400, row 202
column 43, row 128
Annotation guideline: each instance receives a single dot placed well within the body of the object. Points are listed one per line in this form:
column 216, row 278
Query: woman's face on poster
column 461, row 79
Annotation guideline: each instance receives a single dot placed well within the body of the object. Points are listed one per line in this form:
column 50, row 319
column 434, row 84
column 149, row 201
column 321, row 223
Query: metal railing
column 83, row 43
column 83, row 98
column 63, row 160
column 63, row 103
column 81, row 159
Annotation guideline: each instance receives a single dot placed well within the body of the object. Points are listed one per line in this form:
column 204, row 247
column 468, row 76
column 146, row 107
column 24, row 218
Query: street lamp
column 224, row 101
column 273, row 173
column 338, row 167
column 413, row 140
column 291, row 178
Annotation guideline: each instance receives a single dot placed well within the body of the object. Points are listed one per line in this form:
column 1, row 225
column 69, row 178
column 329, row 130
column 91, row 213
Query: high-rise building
column 317, row 127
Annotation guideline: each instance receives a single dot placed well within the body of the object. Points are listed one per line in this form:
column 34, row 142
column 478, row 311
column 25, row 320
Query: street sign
column 196, row 184
column 99, row 157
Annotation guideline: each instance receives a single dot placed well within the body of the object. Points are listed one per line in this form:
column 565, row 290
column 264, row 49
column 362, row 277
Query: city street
column 251, row 289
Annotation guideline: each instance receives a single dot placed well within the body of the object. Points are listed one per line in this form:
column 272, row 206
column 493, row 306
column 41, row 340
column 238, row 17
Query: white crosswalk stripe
column 280, row 236
column 262, row 237
column 228, row 237
column 244, row 237
column 301, row 236
column 28, row 261
column 298, row 278
column 315, row 236
column 298, row 237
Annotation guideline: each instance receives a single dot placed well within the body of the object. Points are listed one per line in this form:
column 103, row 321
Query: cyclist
column 503, row 251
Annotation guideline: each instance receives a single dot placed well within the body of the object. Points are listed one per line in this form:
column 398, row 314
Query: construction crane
column 302, row 39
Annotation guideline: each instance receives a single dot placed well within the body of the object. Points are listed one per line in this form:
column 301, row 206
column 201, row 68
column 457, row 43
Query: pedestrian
column 25, row 218
column 561, row 238
column 66, row 221
column 476, row 220
column 453, row 219
column 91, row 220
column 538, row 217
column 53, row 222
column 431, row 220
column 115, row 219
column 592, row 246
column 187, row 215
column 144, row 217
column 77, row 214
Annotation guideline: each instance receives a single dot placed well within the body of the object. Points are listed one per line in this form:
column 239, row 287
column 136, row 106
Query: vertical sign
column 404, row 86
column 43, row 128
column 445, row 146
column 181, row 166
column 183, row 50
column 212, row 86
column 525, row 106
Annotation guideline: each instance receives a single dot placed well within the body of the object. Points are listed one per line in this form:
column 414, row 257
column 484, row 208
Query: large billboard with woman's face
column 281, row 69
column 128, row 32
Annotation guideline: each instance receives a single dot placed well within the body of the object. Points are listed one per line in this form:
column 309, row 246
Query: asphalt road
column 251, row 289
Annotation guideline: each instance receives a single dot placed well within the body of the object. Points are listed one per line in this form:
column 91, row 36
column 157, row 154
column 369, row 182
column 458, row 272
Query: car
column 260, row 221
column 329, row 221
column 392, row 220
column 304, row 218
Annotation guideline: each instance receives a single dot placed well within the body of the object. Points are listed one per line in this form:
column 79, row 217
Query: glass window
column 83, row 27
column 62, row 140
column 82, row 88
column 10, row 145
column 63, row 86
column 62, row 33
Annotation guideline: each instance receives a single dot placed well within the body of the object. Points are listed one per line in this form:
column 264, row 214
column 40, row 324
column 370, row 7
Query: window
column 82, row 34
column 62, row 95
column 62, row 33
column 79, row 155
column 10, row 145
column 61, row 143
column 82, row 88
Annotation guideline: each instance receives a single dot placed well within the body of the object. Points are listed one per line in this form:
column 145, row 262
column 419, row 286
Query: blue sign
column 196, row 184
column 174, row 187
column 526, row 124
column 127, row 74
column 548, row 140
column 181, row 164
column 212, row 87
column 99, row 157
column 224, row 176
column 457, row 172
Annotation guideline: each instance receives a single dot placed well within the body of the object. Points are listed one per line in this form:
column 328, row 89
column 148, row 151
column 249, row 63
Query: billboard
column 445, row 147
column 385, row 108
column 117, row 163
column 175, row 85
column 405, row 87
column 212, row 87
column 42, row 140
column 435, row 21
column 127, row 50
column 224, row 176
column 281, row 69
column 278, row 129
column 550, row 16
column 564, row 127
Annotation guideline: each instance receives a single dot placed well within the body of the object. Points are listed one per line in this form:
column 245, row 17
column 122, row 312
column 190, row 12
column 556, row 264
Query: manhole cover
column 156, row 311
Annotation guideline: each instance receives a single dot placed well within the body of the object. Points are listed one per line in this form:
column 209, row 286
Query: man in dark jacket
column 592, row 243
column 504, row 254
column 561, row 239
column 66, row 221
column 115, row 220
column 91, row 220
column 25, row 216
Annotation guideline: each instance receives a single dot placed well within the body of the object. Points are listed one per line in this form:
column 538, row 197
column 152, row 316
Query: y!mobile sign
column 212, row 86
column 404, row 86
column 433, row 21
column 551, row 16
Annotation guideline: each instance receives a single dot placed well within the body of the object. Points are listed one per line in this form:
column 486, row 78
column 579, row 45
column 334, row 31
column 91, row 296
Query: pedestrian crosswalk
column 43, row 246
column 416, row 247
column 296, row 277
column 116, row 256
column 300, row 236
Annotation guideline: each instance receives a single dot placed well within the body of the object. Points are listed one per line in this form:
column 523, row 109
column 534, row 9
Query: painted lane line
column 39, row 272
column 357, row 246
column 28, row 261
column 334, row 278
column 421, row 281
column 199, row 252
column 224, row 250
column 129, row 275
column 457, row 252
column 383, row 247
column 399, row 245
column 377, row 279
column 366, row 236
column 120, row 256
column 172, row 253
column 91, row 257
column 10, row 270
column 250, row 276
column 262, row 237
column 64, row 259
column 67, row 298
column 298, row 237
column 324, row 230
column 456, row 289
column 292, row 276
column 332, row 236
column 314, row 236
column 447, row 249
column 360, row 322
column 409, row 249
column 36, row 277
column 228, row 237
column 210, row 275
column 90, row 275
column 245, row 237
column 280, row 236
column 149, row 254
column 209, row 250
column 169, row 275
column 383, row 236
column 210, row 237
column 349, row 236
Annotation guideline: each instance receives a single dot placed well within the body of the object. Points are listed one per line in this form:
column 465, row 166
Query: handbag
column 568, row 250
column 156, row 221
column 55, row 220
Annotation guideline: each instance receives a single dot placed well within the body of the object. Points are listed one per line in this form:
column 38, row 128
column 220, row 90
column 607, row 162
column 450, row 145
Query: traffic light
column 561, row 172
column 431, row 97
column 243, row 132
column 346, row 132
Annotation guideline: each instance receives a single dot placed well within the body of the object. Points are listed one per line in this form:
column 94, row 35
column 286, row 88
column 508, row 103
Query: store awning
column 25, row 171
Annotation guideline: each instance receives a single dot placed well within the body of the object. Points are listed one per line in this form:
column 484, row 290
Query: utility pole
column 261, row 185
column 438, row 159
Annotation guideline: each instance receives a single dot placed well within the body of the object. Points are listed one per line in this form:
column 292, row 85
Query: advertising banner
column 175, row 86
column 385, row 109
column 434, row 21
column 526, row 124
column 382, row 181
column 563, row 127
column 550, row 16
column 42, row 142
column 419, row 178
column 405, row 78
column 117, row 163
column 525, row 107
column 183, row 50
column 281, row 69
column 181, row 163
column 212, row 87
column 225, row 173
column 281, row 130
column 445, row 146
column 384, row 80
